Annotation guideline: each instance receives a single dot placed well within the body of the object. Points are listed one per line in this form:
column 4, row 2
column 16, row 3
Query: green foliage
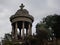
column 42, row 30
column 47, row 26
column 8, row 42
column 50, row 20
column 53, row 21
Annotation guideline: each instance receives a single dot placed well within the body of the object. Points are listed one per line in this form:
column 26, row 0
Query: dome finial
column 22, row 6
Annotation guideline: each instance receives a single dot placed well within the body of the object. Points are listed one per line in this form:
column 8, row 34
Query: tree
column 42, row 32
column 7, row 40
column 53, row 21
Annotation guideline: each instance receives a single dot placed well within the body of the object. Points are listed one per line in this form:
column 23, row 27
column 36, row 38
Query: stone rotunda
column 21, row 22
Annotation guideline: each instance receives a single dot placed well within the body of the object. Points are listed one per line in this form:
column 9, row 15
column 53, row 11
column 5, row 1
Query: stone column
column 20, row 32
column 29, row 30
column 12, row 33
column 23, row 30
column 15, row 30
column 26, row 32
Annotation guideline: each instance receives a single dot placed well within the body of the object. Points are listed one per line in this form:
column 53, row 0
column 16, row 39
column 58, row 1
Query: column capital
column 16, row 30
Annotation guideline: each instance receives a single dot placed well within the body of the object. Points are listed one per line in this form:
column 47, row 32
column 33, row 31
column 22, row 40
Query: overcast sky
column 37, row 8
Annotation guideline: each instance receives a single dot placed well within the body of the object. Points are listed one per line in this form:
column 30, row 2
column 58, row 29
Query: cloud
column 53, row 3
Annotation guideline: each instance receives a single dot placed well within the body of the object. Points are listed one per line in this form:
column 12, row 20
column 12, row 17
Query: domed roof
column 22, row 13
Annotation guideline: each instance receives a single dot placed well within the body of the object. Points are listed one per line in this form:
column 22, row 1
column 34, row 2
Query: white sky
column 37, row 8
